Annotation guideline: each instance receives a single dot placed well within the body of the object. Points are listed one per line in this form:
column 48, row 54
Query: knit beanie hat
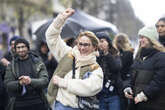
column 13, row 39
column 103, row 35
column 149, row 32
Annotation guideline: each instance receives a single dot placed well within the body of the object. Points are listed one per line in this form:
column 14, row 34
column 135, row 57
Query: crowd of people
column 52, row 76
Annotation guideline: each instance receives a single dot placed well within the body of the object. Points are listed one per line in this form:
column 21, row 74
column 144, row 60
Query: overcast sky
column 149, row 11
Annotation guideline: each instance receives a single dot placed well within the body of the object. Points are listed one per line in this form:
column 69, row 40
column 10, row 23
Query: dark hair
column 104, row 35
column 41, row 44
column 21, row 40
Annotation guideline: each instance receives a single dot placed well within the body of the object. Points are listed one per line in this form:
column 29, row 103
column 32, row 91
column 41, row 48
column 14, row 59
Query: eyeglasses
column 84, row 44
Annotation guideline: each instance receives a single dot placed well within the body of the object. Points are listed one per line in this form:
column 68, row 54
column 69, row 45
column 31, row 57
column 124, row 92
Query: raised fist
column 67, row 13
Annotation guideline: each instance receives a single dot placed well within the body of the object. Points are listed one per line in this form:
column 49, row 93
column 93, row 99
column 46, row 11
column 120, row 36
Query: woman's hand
column 60, row 82
column 140, row 98
column 67, row 13
column 128, row 93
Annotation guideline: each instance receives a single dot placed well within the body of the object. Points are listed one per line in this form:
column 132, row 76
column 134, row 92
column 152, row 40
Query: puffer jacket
column 148, row 77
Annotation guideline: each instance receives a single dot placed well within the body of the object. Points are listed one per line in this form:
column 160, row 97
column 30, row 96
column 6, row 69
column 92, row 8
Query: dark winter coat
column 111, row 66
column 9, row 56
column 127, row 61
column 148, row 75
column 12, row 74
column 1, row 85
column 124, row 74
column 50, row 64
column 162, row 40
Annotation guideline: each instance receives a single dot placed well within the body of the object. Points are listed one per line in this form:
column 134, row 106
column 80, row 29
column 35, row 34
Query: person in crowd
column 110, row 63
column 63, row 87
column 147, row 86
column 160, row 26
column 47, row 58
column 2, row 89
column 122, row 43
column 5, row 61
column 9, row 55
column 25, row 79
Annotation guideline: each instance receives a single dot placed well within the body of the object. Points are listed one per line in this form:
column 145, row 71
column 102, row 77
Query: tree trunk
column 21, row 21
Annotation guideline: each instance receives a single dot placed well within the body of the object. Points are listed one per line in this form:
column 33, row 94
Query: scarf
column 83, row 60
column 146, row 52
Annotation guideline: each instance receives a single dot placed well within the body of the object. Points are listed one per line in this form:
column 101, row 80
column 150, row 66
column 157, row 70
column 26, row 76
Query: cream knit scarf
column 83, row 60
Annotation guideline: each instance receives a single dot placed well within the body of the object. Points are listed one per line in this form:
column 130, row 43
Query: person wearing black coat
column 2, row 89
column 4, row 62
column 110, row 63
column 6, row 59
column 122, row 43
column 48, row 59
column 147, row 86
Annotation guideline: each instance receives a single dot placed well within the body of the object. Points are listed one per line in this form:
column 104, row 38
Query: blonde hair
column 154, row 44
column 91, row 36
column 158, row 46
column 121, row 41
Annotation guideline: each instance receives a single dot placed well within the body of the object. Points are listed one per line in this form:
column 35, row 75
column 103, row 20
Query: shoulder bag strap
column 73, row 68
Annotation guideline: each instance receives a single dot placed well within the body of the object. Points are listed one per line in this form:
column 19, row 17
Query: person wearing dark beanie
column 5, row 61
column 160, row 26
column 11, row 53
column 110, row 64
column 104, row 35
column 13, row 39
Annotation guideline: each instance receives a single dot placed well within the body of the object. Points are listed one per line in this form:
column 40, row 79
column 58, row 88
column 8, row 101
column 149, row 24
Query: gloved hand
column 60, row 82
column 140, row 98
column 128, row 93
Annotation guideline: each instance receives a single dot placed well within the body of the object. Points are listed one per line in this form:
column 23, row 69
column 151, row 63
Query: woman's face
column 144, row 42
column 103, row 45
column 85, row 46
column 160, row 26
column 44, row 49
